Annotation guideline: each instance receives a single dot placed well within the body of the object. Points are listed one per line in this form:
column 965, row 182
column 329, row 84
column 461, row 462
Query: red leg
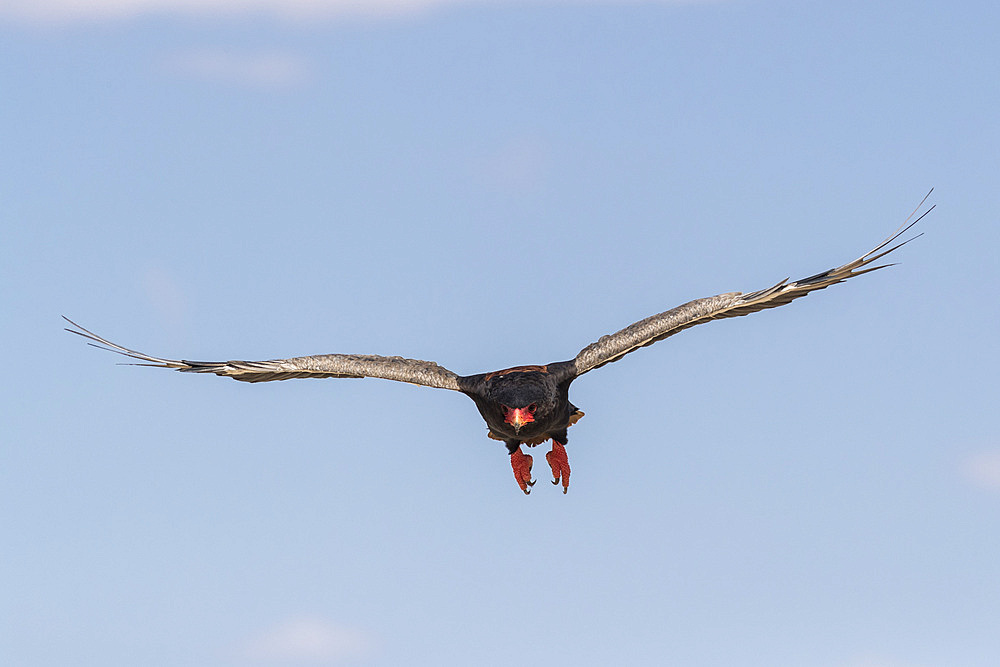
column 521, row 463
column 559, row 462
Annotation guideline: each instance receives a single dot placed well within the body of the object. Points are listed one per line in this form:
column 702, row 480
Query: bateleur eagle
column 528, row 405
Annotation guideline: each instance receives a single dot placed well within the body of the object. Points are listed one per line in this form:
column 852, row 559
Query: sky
column 488, row 184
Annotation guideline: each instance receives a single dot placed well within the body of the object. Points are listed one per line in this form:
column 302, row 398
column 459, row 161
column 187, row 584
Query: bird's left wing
column 425, row 373
column 734, row 304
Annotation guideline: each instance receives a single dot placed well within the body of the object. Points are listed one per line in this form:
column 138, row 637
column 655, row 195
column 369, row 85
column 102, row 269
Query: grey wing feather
column 734, row 304
column 424, row 373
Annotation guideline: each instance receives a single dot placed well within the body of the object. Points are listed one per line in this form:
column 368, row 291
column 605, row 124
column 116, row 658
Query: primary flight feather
column 528, row 404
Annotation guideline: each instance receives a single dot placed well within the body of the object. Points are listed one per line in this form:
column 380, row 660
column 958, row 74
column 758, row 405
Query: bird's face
column 518, row 417
column 518, row 402
column 522, row 403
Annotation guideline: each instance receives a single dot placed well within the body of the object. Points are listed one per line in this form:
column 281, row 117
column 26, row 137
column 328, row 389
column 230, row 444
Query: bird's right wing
column 733, row 304
column 424, row 373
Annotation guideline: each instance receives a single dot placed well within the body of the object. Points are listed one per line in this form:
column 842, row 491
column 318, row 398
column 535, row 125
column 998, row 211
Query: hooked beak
column 518, row 417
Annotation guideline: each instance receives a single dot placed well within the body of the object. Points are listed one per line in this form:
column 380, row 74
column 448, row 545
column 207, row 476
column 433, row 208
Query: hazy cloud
column 68, row 11
column 166, row 296
column 520, row 164
column 308, row 641
column 73, row 11
column 269, row 69
column 983, row 469
column 875, row 661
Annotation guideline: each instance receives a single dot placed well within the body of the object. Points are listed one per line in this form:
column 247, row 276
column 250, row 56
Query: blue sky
column 484, row 185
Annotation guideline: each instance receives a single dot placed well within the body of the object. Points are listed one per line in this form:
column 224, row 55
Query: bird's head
column 522, row 397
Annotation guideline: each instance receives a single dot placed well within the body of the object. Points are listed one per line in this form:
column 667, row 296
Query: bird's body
column 526, row 404
column 521, row 386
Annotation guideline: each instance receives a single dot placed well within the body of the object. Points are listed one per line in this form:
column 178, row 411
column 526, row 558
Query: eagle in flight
column 528, row 405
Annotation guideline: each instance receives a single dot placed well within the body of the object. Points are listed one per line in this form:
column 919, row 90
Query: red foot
column 521, row 463
column 559, row 462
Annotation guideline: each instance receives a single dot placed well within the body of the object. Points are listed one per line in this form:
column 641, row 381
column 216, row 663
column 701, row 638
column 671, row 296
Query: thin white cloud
column 270, row 69
column 876, row 661
column 165, row 294
column 77, row 11
column 308, row 641
column 983, row 469
column 521, row 164
column 71, row 11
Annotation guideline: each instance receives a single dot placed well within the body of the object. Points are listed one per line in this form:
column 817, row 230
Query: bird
column 529, row 405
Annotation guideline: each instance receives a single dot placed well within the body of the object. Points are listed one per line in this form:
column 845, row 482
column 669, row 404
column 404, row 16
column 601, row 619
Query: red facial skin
column 518, row 417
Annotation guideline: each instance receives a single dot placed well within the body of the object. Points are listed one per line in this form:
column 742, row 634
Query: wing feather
column 733, row 304
column 413, row 371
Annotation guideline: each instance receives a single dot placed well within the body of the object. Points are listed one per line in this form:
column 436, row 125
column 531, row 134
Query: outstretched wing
column 734, row 304
column 425, row 373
